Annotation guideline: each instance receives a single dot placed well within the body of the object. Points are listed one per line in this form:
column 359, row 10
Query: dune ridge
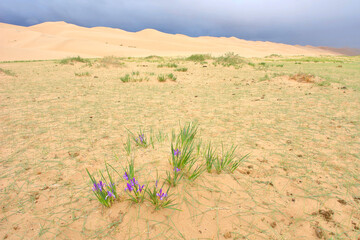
column 51, row 40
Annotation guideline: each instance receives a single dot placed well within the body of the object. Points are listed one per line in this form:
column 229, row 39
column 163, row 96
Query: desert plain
column 70, row 95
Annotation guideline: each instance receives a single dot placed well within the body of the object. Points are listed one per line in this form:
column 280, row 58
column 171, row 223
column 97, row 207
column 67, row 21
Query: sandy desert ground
column 297, row 117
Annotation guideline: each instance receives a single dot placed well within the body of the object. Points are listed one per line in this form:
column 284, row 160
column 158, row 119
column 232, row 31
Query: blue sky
column 306, row 22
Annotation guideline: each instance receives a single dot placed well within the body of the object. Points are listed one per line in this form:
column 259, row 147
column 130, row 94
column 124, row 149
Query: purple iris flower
column 140, row 188
column 129, row 187
column 177, row 169
column 177, row 152
column 101, row 186
column 141, row 137
column 156, row 183
column 161, row 195
column 95, row 188
column 133, row 182
column 126, row 176
column 110, row 194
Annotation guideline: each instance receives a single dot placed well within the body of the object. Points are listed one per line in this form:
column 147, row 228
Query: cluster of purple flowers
column 177, row 153
column 132, row 185
column 141, row 138
column 100, row 187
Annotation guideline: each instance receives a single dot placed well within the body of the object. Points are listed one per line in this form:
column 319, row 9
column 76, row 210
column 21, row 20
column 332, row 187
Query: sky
column 334, row 23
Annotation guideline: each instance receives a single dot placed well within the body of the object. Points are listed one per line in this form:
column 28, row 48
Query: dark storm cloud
column 314, row 22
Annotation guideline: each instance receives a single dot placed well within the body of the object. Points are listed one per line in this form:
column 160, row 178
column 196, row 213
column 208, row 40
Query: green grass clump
column 174, row 178
column 127, row 146
column 104, row 191
column 163, row 78
column 159, row 198
column 7, row 72
column 125, row 78
column 169, row 65
column 226, row 162
column 184, row 69
column 82, row 74
column 171, row 76
column 134, row 77
column 71, row 60
column 183, row 158
column 140, row 139
column 199, row 57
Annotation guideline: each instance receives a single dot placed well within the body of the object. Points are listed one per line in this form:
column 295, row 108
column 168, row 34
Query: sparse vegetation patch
column 229, row 59
column 184, row 69
column 110, row 61
column 199, row 57
column 7, row 72
column 72, row 60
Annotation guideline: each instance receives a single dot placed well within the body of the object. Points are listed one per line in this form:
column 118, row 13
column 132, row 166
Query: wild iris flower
column 177, row 169
column 141, row 138
column 95, row 188
column 129, row 187
column 99, row 187
column 104, row 192
column 110, row 194
column 161, row 195
column 133, row 182
column 137, row 194
column 141, row 188
column 176, row 152
column 126, row 176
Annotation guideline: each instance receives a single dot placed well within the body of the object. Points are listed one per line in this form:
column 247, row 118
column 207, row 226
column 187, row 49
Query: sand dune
column 59, row 39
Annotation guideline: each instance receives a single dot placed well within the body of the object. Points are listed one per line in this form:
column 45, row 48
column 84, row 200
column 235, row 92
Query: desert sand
column 51, row 40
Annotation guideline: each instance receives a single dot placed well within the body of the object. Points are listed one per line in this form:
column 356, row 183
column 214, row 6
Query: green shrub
column 161, row 78
column 230, row 59
column 198, row 57
column 171, row 77
column 125, row 78
column 71, row 60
